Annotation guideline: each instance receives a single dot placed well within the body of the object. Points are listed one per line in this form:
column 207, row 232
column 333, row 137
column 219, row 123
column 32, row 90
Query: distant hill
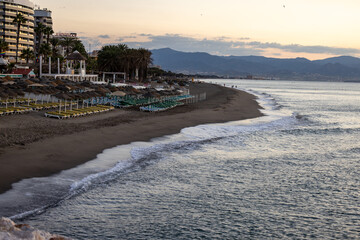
column 337, row 68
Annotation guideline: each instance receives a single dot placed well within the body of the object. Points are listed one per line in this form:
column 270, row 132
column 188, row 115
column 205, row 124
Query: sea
column 292, row 174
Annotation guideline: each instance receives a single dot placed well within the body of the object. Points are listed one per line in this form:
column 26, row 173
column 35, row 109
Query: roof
column 22, row 71
column 76, row 56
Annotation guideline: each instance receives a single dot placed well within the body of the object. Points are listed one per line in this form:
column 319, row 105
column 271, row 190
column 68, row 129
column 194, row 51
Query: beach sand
column 34, row 146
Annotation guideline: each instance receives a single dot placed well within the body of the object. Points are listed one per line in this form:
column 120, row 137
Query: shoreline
column 41, row 147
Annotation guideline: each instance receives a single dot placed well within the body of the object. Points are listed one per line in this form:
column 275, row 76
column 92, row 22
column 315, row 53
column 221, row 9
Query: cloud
column 104, row 36
column 91, row 43
column 222, row 45
column 188, row 44
column 296, row 48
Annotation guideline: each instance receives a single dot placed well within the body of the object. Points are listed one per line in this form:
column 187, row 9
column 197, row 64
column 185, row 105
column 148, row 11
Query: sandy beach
column 34, row 146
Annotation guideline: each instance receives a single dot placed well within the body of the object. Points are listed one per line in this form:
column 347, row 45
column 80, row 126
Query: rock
column 11, row 231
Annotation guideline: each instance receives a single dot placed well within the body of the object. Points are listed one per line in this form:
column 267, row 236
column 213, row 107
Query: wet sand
column 34, row 146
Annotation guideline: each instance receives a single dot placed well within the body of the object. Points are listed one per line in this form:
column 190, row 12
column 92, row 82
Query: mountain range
column 343, row 68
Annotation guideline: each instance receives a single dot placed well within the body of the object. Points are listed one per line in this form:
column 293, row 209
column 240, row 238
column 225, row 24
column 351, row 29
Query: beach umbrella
column 118, row 94
column 4, row 62
column 76, row 56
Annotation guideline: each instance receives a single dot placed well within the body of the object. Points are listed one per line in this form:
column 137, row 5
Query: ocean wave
column 192, row 138
column 320, row 131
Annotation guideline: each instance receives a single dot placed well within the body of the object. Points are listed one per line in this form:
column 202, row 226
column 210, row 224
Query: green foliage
column 67, row 43
column 91, row 65
column 120, row 58
column 48, row 31
column 79, row 46
column 4, row 46
column 45, row 49
column 39, row 31
column 55, row 42
column 27, row 54
column 110, row 58
column 10, row 67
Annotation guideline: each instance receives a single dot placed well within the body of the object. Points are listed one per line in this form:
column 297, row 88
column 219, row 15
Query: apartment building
column 8, row 30
column 42, row 16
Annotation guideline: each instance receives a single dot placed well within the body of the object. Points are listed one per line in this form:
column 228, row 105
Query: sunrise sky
column 313, row 29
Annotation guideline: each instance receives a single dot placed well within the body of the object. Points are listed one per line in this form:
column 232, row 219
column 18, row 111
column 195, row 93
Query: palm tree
column 128, row 62
column 111, row 58
column 134, row 62
column 39, row 30
column 45, row 50
column 48, row 31
column 144, row 60
column 68, row 43
column 4, row 46
column 18, row 20
column 79, row 46
column 54, row 44
column 116, row 58
column 27, row 54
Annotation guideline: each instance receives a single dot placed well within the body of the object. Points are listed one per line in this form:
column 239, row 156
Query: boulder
column 11, row 231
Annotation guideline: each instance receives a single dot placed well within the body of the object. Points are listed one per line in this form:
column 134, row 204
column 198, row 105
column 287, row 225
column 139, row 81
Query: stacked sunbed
column 161, row 106
column 79, row 112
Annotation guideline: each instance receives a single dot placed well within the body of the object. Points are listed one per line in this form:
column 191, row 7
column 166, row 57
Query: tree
column 27, row 54
column 18, row 20
column 4, row 46
column 68, row 43
column 48, row 31
column 55, row 42
column 130, row 62
column 79, row 46
column 138, row 60
column 39, row 30
column 144, row 60
column 45, row 50
column 111, row 58
column 10, row 67
column 91, row 65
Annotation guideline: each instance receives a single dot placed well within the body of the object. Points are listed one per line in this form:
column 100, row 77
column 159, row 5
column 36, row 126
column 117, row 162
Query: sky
column 314, row 29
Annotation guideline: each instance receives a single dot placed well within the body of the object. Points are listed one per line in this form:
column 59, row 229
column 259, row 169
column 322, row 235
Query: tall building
column 42, row 16
column 8, row 30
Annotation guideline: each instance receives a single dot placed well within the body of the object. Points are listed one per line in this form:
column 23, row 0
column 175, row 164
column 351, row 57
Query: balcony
column 19, row 9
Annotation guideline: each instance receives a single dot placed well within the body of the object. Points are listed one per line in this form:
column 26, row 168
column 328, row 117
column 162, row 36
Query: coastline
column 39, row 147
